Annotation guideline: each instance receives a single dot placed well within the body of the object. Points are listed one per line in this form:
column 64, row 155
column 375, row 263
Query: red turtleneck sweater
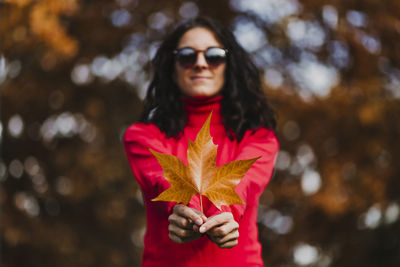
column 159, row 250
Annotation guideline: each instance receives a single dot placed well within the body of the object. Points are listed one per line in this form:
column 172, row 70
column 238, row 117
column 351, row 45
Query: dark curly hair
column 244, row 105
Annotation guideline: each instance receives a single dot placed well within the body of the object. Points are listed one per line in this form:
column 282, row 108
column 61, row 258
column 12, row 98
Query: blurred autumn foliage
column 73, row 75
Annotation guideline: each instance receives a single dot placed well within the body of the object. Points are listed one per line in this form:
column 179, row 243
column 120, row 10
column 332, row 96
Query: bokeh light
column 188, row 10
column 273, row 78
column 283, row 160
column 15, row 126
column 356, row 18
column 310, row 182
column 271, row 11
column 16, row 168
column 28, row 203
column 330, row 16
column 121, row 17
column 305, row 254
column 249, row 35
column 392, row 213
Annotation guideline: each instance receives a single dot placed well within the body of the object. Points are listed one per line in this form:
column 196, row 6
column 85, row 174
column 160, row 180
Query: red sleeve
column 264, row 143
column 138, row 138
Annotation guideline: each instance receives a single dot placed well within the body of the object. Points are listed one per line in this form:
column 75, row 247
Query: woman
column 201, row 68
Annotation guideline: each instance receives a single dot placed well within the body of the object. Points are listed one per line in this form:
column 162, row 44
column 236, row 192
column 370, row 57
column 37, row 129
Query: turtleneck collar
column 199, row 108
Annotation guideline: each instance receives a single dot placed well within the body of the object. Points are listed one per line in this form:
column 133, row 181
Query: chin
column 203, row 92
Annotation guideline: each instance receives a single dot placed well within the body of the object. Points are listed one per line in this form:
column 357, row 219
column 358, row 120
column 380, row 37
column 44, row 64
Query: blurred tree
column 73, row 74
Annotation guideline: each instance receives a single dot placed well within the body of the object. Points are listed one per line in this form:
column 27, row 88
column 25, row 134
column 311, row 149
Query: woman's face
column 201, row 79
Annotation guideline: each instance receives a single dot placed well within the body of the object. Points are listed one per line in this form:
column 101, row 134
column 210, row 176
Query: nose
column 201, row 61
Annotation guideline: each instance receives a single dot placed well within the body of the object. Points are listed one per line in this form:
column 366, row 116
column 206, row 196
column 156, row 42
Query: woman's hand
column 222, row 229
column 184, row 223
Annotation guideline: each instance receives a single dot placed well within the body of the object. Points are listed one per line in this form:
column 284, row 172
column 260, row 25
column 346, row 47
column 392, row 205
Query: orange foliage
column 43, row 22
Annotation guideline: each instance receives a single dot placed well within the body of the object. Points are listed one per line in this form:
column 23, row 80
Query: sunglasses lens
column 215, row 56
column 186, row 57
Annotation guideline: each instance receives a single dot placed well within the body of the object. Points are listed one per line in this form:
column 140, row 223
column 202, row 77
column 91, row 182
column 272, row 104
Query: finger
column 216, row 221
column 175, row 238
column 180, row 232
column 180, row 237
column 226, row 241
column 188, row 213
column 229, row 244
column 224, row 229
column 234, row 235
column 196, row 229
column 180, row 221
column 204, row 217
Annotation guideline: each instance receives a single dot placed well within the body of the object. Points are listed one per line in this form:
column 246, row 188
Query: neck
column 199, row 108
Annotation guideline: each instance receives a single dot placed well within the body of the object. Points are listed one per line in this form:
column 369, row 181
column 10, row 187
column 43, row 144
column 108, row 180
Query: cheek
column 180, row 78
column 179, row 74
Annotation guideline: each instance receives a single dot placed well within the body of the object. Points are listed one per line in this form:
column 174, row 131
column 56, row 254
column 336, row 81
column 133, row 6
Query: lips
column 199, row 78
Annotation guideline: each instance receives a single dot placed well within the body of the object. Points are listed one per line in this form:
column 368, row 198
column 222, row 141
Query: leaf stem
column 201, row 204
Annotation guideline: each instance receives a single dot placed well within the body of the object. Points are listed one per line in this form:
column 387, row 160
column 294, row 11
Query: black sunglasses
column 187, row 56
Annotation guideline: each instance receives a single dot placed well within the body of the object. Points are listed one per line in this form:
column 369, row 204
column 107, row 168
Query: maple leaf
column 201, row 175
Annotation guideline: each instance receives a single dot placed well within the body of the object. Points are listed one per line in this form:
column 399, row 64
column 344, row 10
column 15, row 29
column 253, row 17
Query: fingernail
column 202, row 229
column 199, row 221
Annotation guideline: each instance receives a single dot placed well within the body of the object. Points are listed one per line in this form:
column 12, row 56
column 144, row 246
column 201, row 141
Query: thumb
column 204, row 217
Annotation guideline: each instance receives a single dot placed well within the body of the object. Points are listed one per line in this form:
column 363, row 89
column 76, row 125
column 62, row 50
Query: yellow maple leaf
column 201, row 175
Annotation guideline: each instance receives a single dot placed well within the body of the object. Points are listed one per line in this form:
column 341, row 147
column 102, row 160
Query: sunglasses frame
column 186, row 66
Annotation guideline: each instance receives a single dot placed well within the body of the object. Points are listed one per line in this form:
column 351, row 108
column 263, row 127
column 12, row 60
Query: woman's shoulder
column 261, row 136
column 261, row 132
column 142, row 131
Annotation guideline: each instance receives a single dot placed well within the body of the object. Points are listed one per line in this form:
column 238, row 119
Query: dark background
column 73, row 75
